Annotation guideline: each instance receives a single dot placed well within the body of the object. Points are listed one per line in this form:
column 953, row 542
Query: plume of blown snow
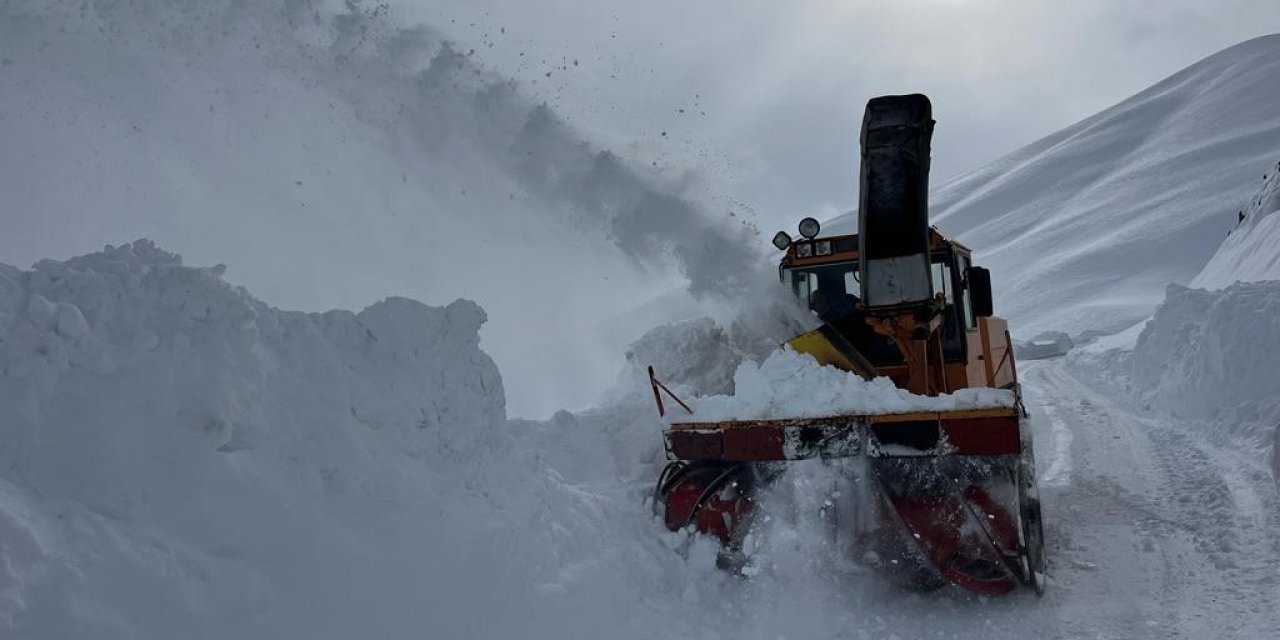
column 331, row 156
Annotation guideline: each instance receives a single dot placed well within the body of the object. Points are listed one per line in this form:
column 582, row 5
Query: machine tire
column 1033, row 530
column 1034, row 557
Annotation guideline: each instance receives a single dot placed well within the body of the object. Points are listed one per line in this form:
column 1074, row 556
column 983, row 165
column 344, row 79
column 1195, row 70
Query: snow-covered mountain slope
column 1252, row 251
column 1084, row 228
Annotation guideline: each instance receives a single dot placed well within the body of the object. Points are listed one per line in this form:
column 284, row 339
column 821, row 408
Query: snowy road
column 1153, row 530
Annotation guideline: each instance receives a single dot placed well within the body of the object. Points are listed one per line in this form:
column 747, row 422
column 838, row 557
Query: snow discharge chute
column 945, row 444
column 893, row 204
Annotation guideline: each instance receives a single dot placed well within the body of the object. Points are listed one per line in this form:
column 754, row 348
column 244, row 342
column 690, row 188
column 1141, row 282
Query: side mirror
column 979, row 280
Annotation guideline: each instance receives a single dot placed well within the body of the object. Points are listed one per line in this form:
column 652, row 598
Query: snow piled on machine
column 793, row 385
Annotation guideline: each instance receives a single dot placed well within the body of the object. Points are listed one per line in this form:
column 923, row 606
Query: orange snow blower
column 955, row 490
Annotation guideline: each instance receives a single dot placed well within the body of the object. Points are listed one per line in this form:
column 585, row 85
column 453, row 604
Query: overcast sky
column 783, row 84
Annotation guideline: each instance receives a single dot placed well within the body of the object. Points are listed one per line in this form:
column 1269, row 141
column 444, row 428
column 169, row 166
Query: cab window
column 966, row 305
column 831, row 290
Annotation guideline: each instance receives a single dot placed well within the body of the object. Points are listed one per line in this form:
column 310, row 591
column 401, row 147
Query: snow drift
column 1084, row 228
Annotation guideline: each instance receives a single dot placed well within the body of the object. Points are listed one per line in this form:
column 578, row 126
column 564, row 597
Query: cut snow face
column 793, row 385
column 1209, row 352
column 1211, row 355
column 176, row 456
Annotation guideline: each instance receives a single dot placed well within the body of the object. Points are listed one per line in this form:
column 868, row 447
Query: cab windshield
column 831, row 290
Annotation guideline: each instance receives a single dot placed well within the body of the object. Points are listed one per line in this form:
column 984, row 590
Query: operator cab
column 823, row 273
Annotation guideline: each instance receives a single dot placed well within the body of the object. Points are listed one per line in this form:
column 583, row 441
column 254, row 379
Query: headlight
column 782, row 241
column 804, row 249
column 809, row 228
column 822, row 248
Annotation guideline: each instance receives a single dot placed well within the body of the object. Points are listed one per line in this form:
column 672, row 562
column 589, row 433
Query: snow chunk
column 695, row 354
column 793, row 385
column 71, row 322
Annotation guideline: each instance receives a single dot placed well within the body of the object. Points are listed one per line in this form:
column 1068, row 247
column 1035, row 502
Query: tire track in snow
column 1059, row 472
column 1107, row 579
column 1171, row 489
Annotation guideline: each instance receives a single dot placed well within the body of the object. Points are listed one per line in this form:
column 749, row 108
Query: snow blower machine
column 955, row 490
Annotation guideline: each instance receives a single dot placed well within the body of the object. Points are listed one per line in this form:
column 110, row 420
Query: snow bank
column 191, row 352
column 1205, row 352
column 179, row 456
column 789, row 385
column 178, row 459
column 1212, row 355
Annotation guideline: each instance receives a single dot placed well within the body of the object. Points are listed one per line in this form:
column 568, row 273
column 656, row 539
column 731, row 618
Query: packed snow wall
column 199, row 356
column 1212, row 355
column 178, row 457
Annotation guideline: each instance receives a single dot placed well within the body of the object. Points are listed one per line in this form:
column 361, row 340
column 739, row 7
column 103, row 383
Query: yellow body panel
column 830, row 349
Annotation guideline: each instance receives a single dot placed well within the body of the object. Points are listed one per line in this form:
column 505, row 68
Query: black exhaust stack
column 893, row 206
